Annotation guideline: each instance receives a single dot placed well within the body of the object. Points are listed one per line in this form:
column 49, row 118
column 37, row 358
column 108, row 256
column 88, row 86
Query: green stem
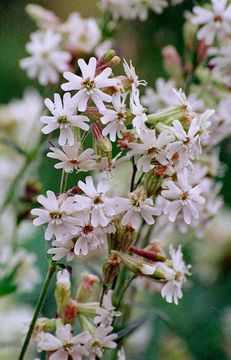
column 51, row 271
column 63, row 183
column 127, row 284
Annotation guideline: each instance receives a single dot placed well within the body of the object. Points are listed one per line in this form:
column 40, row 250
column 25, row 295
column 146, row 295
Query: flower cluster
column 55, row 46
column 133, row 9
column 96, row 335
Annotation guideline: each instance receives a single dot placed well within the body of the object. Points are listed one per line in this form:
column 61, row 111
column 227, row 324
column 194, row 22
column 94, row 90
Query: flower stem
column 51, row 271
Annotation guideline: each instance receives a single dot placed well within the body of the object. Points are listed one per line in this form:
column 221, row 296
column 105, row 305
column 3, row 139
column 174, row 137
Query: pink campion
column 115, row 119
column 106, row 312
column 63, row 117
column 175, row 275
column 136, row 208
column 58, row 212
column 88, row 237
column 215, row 22
column 187, row 144
column 139, row 113
column 47, row 60
column 182, row 198
column 89, row 85
column 102, row 338
column 64, row 345
column 152, row 148
column 62, row 248
column 71, row 159
column 132, row 76
column 96, row 201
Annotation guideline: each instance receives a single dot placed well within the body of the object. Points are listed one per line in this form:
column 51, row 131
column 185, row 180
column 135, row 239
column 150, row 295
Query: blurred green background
column 197, row 320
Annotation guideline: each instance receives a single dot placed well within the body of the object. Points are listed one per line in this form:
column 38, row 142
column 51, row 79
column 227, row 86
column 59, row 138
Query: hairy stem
column 41, row 299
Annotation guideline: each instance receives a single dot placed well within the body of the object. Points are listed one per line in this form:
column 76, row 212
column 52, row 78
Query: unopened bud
column 62, row 291
column 103, row 144
column 152, row 183
column 70, row 311
column 172, row 62
column 189, row 33
column 44, row 324
column 88, row 309
column 86, row 286
column 111, row 268
column 43, row 17
column 134, row 264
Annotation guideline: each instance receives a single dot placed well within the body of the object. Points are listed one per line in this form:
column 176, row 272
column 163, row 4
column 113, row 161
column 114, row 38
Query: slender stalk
column 63, row 183
column 127, row 284
column 41, row 299
column 133, row 175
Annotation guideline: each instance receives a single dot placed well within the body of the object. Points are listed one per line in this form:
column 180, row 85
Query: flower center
column 89, row 84
column 153, row 151
column 62, row 120
column 74, row 161
column 184, row 196
column 87, row 229
column 178, row 276
column 98, row 200
column 218, row 19
column 55, row 215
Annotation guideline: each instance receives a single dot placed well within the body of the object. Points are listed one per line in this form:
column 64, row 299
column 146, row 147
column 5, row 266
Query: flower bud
column 63, row 291
column 86, row 286
column 135, row 264
column 44, row 324
column 88, row 309
column 152, row 183
column 189, row 33
column 70, row 311
column 103, row 144
column 43, row 17
column 172, row 62
column 111, row 268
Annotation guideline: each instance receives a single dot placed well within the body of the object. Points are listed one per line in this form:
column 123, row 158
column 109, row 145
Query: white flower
column 102, row 207
column 132, row 76
column 221, row 122
column 26, row 113
column 139, row 111
column 87, row 237
column 58, row 213
column 152, row 149
column 62, row 248
column 106, row 312
column 182, row 197
column 162, row 97
column 64, row 118
column 136, row 207
column 63, row 279
column 216, row 22
column 64, row 344
column 187, row 145
column 221, row 65
column 142, row 7
column 83, row 35
column 71, row 159
column 101, row 339
column 175, row 275
column 115, row 118
column 47, row 60
column 89, row 85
